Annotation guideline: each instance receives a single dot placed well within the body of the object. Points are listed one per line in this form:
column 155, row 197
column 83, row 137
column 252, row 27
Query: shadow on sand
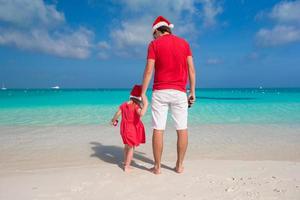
column 114, row 155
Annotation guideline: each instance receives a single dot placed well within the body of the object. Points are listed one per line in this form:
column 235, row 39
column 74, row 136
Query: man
column 171, row 59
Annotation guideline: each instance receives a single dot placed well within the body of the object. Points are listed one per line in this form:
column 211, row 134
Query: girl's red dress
column 132, row 128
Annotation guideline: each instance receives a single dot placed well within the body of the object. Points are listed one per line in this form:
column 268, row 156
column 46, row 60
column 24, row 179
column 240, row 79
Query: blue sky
column 102, row 44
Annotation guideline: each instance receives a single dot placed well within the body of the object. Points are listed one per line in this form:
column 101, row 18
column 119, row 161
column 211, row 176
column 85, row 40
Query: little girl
column 131, row 128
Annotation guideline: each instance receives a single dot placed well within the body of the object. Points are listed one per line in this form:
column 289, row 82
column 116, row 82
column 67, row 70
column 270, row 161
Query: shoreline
column 34, row 147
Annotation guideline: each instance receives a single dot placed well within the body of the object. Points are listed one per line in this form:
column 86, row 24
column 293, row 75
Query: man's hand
column 191, row 99
column 192, row 77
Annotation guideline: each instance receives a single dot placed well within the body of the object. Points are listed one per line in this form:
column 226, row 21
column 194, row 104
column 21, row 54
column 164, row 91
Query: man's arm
column 147, row 76
column 143, row 110
column 192, row 78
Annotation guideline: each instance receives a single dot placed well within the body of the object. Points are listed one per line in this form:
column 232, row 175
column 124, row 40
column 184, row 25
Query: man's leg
column 179, row 108
column 159, row 118
column 182, row 143
column 157, row 146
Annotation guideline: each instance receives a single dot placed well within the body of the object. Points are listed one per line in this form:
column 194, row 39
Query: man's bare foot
column 179, row 169
column 155, row 170
column 127, row 168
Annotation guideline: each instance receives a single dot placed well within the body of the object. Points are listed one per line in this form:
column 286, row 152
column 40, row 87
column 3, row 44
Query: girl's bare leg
column 128, row 155
column 125, row 153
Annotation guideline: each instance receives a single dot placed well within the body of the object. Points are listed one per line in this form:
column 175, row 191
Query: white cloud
column 287, row 27
column 39, row 26
column 103, row 55
column 253, row 56
column 72, row 44
column 34, row 25
column 103, row 50
column 173, row 9
column 210, row 11
column 188, row 29
column 213, row 61
column 157, row 6
column 286, row 11
column 28, row 13
column 134, row 33
column 103, row 45
column 278, row 35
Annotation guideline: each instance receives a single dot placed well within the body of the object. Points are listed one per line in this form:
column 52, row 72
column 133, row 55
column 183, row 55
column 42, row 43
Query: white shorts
column 177, row 101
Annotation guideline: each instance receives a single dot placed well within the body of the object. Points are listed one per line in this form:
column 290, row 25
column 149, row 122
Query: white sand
column 223, row 162
column 205, row 179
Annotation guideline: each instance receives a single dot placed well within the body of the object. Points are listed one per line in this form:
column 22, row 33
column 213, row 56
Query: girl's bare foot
column 155, row 170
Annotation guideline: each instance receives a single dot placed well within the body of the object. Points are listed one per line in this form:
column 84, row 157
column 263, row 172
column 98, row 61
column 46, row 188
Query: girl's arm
column 116, row 116
column 143, row 110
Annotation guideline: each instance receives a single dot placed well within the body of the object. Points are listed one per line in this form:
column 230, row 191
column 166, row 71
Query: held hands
column 145, row 100
column 145, row 105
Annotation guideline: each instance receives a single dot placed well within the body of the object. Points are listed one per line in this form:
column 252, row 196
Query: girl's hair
column 137, row 101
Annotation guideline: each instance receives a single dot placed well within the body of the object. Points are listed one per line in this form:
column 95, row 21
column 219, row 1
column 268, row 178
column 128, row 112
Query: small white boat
column 260, row 87
column 55, row 87
column 3, row 87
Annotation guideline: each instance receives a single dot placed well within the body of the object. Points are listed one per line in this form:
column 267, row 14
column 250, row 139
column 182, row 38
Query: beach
column 84, row 162
column 74, row 74
column 243, row 144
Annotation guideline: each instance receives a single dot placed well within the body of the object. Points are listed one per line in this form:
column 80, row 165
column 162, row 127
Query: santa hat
column 136, row 92
column 161, row 21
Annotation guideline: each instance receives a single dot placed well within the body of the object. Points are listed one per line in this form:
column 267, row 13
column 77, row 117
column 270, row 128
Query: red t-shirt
column 170, row 54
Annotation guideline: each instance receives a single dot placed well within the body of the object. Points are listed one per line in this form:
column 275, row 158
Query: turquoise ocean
column 44, row 107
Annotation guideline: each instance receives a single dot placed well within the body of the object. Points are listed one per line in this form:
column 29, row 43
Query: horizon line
column 116, row 88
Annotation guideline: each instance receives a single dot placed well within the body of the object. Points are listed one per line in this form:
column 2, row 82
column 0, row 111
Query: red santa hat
column 161, row 21
column 136, row 92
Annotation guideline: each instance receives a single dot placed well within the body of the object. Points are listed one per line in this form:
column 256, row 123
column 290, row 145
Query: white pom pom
column 171, row 25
